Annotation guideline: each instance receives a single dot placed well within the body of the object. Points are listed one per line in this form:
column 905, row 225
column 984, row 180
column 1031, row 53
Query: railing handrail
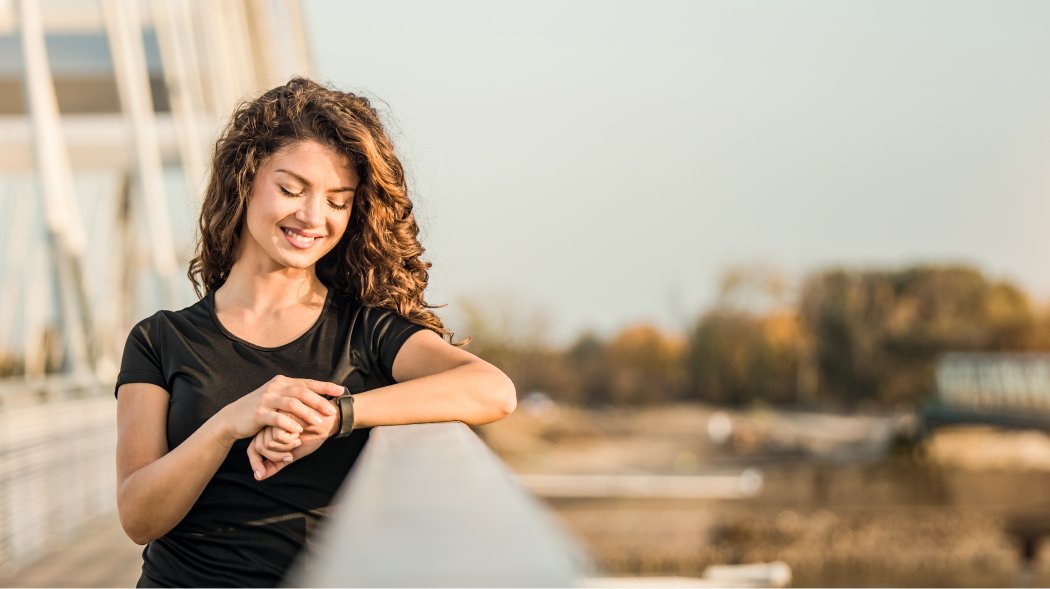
column 431, row 505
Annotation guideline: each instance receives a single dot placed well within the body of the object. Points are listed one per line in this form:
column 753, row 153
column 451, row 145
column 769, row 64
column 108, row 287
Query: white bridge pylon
column 98, row 204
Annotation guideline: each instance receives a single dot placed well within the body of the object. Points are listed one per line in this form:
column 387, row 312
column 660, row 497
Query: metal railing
column 56, row 467
column 430, row 505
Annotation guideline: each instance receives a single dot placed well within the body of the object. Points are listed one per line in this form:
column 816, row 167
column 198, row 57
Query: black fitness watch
column 345, row 404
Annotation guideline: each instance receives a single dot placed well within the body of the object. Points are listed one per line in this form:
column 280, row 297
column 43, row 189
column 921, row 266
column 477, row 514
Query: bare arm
column 436, row 382
column 156, row 487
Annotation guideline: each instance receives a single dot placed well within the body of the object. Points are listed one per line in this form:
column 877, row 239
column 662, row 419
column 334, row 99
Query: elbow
column 506, row 398
column 137, row 531
column 141, row 540
column 499, row 398
column 136, row 527
column 510, row 398
column 495, row 399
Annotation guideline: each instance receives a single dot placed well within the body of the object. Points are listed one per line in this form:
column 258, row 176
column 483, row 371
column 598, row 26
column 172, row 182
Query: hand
column 288, row 404
column 274, row 448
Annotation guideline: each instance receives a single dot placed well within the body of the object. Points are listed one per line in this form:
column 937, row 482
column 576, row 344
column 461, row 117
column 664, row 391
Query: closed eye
column 287, row 192
column 333, row 204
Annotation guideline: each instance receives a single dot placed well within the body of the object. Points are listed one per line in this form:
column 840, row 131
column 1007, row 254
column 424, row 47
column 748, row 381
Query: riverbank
column 906, row 516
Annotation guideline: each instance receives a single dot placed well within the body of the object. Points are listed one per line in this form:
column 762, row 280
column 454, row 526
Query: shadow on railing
column 430, row 505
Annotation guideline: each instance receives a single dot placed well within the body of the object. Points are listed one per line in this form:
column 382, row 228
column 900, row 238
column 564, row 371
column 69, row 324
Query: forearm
column 154, row 498
column 474, row 393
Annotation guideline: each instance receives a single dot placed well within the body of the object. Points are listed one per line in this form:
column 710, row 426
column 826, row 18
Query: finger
column 312, row 399
column 324, row 388
column 296, row 407
column 273, row 468
column 273, row 455
column 271, row 442
column 256, row 460
column 285, row 422
column 282, row 437
column 260, row 446
column 272, row 446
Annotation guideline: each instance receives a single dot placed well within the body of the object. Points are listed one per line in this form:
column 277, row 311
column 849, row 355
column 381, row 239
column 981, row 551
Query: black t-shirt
column 243, row 532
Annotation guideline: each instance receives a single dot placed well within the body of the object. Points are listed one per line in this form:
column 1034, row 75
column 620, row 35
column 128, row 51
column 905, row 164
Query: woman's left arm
column 436, row 381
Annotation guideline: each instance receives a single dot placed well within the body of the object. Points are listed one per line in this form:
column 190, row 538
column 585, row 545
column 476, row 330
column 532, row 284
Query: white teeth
column 299, row 238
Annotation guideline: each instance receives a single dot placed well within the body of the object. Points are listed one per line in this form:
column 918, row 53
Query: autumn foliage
column 844, row 337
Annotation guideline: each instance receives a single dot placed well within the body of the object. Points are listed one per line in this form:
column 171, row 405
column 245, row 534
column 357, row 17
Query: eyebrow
column 306, row 182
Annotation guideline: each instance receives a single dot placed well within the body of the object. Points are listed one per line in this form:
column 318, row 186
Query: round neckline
column 210, row 299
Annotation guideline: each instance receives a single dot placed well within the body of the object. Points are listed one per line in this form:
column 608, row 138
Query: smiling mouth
column 299, row 239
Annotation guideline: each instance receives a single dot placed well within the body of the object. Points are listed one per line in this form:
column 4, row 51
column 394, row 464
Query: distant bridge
column 1009, row 390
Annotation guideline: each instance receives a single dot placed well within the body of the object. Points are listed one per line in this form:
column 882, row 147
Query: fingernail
column 258, row 474
column 298, row 443
column 287, row 458
column 299, row 428
column 317, row 420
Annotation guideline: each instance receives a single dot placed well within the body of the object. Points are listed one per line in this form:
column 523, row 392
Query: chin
column 301, row 265
column 296, row 262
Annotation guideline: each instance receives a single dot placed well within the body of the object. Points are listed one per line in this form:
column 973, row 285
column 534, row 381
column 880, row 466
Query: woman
column 233, row 428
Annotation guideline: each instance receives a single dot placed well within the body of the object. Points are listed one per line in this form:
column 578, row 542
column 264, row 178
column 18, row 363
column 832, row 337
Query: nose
column 311, row 212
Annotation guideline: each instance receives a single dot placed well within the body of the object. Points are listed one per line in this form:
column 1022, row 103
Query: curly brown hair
column 378, row 260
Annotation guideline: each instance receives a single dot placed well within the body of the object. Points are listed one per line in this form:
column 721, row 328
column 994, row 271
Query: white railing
column 57, row 448
column 430, row 505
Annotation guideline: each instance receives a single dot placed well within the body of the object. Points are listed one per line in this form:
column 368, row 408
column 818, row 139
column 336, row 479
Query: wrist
column 333, row 430
column 344, row 422
column 221, row 430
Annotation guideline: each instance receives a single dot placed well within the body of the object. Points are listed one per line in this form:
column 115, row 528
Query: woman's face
column 299, row 207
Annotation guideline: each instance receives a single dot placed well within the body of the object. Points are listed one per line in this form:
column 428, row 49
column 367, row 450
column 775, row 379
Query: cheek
column 340, row 225
column 266, row 212
column 258, row 220
column 252, row 216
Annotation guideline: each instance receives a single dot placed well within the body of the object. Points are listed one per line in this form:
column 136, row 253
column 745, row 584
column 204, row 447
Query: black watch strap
column 345, row 405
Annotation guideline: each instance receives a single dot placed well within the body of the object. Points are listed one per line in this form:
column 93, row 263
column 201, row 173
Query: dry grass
column 572, row 440
column 986, row 448
column 823, row 547
column 898, row 522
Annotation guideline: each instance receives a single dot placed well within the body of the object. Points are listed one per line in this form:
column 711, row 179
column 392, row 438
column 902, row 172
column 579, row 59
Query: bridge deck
column 99, row 556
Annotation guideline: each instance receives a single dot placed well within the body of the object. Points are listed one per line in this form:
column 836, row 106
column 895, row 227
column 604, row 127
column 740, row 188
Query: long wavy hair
column 378, row 260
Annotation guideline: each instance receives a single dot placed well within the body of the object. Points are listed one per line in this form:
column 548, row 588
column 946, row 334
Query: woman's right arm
column 156, row 487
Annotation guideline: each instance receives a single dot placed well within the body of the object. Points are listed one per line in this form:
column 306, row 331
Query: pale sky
column 604, row 162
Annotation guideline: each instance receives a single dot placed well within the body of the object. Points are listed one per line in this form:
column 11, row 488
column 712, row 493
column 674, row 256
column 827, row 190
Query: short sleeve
column 388, row 331
column 141, row 361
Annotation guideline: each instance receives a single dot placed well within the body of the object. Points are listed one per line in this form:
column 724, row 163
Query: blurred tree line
column 844, row 337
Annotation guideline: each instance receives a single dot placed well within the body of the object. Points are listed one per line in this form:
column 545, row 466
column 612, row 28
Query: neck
column 264, row 291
